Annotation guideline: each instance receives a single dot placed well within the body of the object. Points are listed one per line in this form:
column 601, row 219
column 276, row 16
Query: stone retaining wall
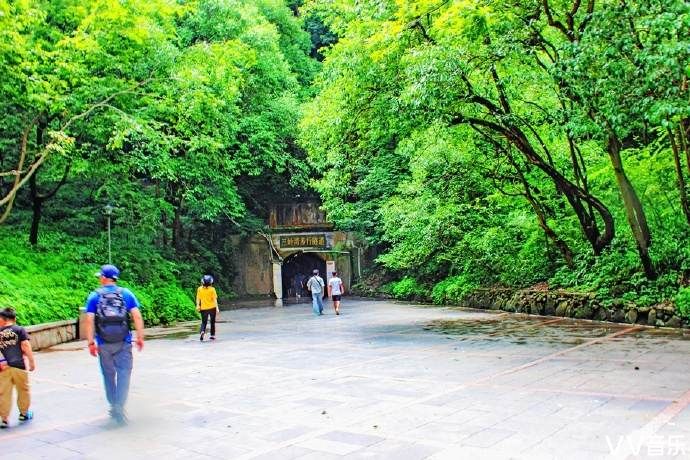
column 573, row 305
column 49, row 334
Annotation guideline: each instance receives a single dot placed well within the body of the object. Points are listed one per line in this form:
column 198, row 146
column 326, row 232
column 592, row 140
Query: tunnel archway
column 300, row 263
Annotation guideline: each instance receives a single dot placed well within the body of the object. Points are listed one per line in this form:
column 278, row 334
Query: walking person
column 315, row 285
column 16, row 357
column 207, row 305
column 335, row 290
column 299, row 285
column 109, row 310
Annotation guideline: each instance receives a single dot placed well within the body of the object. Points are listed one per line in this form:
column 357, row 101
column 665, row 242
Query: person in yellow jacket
column 207, row 305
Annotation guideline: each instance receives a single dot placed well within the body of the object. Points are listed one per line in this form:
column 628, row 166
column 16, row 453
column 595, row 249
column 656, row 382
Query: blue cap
column 109, row 271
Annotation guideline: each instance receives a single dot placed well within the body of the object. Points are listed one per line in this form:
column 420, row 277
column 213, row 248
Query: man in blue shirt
column 108, row 312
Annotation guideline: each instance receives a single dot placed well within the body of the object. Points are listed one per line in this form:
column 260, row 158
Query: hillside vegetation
column 179, row 116
column 498, row 143
column 469, row 143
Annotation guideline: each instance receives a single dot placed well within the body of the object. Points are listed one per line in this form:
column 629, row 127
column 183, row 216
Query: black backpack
column 112, row 317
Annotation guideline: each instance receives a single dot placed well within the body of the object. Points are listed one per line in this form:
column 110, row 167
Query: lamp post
column 109, row 212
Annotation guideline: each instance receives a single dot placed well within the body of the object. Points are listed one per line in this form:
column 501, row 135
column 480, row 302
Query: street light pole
column 108, row 213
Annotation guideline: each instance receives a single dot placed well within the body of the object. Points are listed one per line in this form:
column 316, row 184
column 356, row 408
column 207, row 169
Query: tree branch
column 49, row 195
column 19, row 182
column 9, row 198
column 588, row 17
column 554, row 23
column 104, row 103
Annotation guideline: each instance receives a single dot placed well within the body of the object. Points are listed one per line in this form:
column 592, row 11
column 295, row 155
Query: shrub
column 170, row 303
column 51, row 281
column 407, row 289
column 683, row 302
column 452, row 290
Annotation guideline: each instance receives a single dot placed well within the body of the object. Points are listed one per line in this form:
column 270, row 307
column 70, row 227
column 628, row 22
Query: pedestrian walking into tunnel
column 16, row 360
column 335, row 290
column 299, row 285
column 207, row 305
column 109, row 310
column 315, row 285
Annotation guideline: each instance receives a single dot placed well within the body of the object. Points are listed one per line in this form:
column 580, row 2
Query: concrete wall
column 49, row 334
column 254, row 269
column 294, row 215
column 344, row 267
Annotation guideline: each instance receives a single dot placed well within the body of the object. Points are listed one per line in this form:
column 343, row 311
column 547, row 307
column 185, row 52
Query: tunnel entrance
column 300, row 265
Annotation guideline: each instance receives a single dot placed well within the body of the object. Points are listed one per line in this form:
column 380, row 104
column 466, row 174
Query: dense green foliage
column 181, row 115
column 471, row 143
column 50, row 282
column 483, row 143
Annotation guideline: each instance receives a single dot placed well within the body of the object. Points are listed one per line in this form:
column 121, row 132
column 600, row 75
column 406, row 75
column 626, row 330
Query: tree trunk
column 37, row 209
column 633, row 208
column 164, row 218
column 177, row 229
column 560, row 244
column 164, row 230
column 36, row 199
column 551, row 235
column 578, row 198
column 683, row 128
column 682, row 191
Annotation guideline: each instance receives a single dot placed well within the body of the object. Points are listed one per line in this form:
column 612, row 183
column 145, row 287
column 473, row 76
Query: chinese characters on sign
column 303, row 241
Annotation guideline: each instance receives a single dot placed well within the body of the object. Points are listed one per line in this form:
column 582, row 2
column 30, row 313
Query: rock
column 550, row 308
column 618, row 316
column 631, row 316
column 536, row 309
column 561, row 308
column 668, row 309
column 674, row 322
column 659, row 323
column 584, row 312
column 642, row 310
column 601, row 314
column 651, row 319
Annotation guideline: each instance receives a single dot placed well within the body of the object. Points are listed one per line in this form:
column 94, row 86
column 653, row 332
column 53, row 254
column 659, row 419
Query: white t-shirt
column 335, row 284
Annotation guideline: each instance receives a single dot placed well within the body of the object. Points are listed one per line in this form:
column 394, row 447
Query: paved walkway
column 381, row 381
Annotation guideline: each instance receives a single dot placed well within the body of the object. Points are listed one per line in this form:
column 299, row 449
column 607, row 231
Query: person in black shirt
column 16, row 357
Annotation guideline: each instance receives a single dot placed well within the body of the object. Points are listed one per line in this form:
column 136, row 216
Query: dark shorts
column 336, row 298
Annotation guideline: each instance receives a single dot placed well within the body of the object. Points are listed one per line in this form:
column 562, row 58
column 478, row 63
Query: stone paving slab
column 381, row 381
